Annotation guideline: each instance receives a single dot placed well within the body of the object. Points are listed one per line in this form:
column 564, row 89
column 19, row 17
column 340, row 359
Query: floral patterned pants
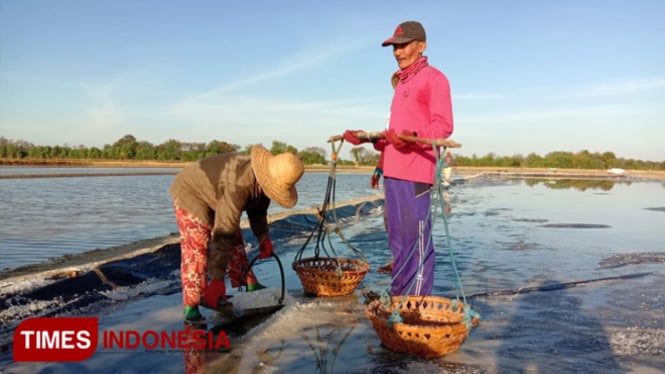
column 194, row 244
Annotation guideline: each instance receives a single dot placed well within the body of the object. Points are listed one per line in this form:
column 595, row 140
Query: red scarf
column 413, row 69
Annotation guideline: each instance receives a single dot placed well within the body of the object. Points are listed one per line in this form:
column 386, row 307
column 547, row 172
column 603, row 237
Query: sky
column 531, row 76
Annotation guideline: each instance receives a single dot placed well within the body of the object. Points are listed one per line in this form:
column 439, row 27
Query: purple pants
column 407, row 207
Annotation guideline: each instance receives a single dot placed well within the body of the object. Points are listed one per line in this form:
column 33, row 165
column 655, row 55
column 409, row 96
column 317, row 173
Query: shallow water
column 566, row 276
column 7, row 171
column 44, row 218
column 567, row 298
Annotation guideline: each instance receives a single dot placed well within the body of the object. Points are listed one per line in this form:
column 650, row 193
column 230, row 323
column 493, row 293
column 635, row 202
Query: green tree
column 125, row 148
column 278, row 147
column 247, row 150
column 4, row 144
column 609, row 160
column 216, row 147
column 362, row 156
column 95, row 153
column 145, row 151
column 533, row 160
column 281, row 147
column 192, row 151
column 168, row 151
column 562, row 160
column 313, row 156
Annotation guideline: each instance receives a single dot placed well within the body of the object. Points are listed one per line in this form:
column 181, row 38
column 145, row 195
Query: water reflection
column 577, row 184
column 44, row 218
column 17, row 171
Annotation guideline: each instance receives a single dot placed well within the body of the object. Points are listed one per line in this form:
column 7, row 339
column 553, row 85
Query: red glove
column 350, row 136
column 265, row 248
column 395, row 140
column 214, row 293
column 380, row 145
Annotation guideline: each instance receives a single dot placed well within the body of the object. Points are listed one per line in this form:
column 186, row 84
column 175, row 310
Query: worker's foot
column 193, row 316
column 255, row 287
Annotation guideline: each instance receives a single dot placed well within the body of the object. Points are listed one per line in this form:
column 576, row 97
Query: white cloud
column 304, row 60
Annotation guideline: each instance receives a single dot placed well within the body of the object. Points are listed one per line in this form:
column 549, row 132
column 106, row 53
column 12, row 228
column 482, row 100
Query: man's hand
column 374, row 179
column 265, row 249
column 395, row 140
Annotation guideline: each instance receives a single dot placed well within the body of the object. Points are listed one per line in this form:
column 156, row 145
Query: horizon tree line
column 129, row 148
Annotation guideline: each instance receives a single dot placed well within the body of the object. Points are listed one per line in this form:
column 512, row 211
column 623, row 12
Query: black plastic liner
column 86, row 291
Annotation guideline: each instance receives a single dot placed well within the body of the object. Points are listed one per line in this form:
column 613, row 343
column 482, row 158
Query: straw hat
column 277, row 175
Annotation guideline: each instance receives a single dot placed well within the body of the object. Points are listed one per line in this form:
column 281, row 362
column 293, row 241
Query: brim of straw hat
column 281, row 193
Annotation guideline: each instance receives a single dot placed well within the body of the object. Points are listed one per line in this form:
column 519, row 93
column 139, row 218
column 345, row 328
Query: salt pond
column 567, row 276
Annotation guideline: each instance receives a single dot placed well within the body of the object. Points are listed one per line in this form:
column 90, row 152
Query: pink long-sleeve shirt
column 421, row 105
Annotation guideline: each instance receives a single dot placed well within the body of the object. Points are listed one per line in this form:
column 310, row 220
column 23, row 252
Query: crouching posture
column 209, row 197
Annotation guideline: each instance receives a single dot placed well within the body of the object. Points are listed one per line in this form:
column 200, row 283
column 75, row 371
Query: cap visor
column 396, row 40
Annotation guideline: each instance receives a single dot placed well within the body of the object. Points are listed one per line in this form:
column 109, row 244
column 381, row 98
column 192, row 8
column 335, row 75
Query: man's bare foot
column 386, row 269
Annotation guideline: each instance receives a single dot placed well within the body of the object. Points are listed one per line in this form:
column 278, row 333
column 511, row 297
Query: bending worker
column 209, row 197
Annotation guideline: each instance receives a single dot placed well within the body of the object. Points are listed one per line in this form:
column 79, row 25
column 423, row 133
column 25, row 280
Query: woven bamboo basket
column 431, row 327
column 322, row 276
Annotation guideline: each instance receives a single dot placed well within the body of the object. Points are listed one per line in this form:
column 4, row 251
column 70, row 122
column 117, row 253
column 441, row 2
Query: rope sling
column 425, row 326
column 329, row 275
column 436, row 195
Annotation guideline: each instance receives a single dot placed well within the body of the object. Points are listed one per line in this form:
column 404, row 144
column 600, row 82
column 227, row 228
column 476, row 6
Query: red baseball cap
column 406, row 32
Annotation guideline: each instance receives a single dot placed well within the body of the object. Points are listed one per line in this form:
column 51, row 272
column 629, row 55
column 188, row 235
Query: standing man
column 421, row 107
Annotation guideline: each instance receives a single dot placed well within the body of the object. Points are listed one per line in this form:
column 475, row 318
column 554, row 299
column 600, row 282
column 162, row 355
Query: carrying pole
column 371, row 136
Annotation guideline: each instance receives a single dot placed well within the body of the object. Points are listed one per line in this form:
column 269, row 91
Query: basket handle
column 281, row 273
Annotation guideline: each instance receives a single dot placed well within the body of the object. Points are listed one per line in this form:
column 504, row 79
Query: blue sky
column 526, row 76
